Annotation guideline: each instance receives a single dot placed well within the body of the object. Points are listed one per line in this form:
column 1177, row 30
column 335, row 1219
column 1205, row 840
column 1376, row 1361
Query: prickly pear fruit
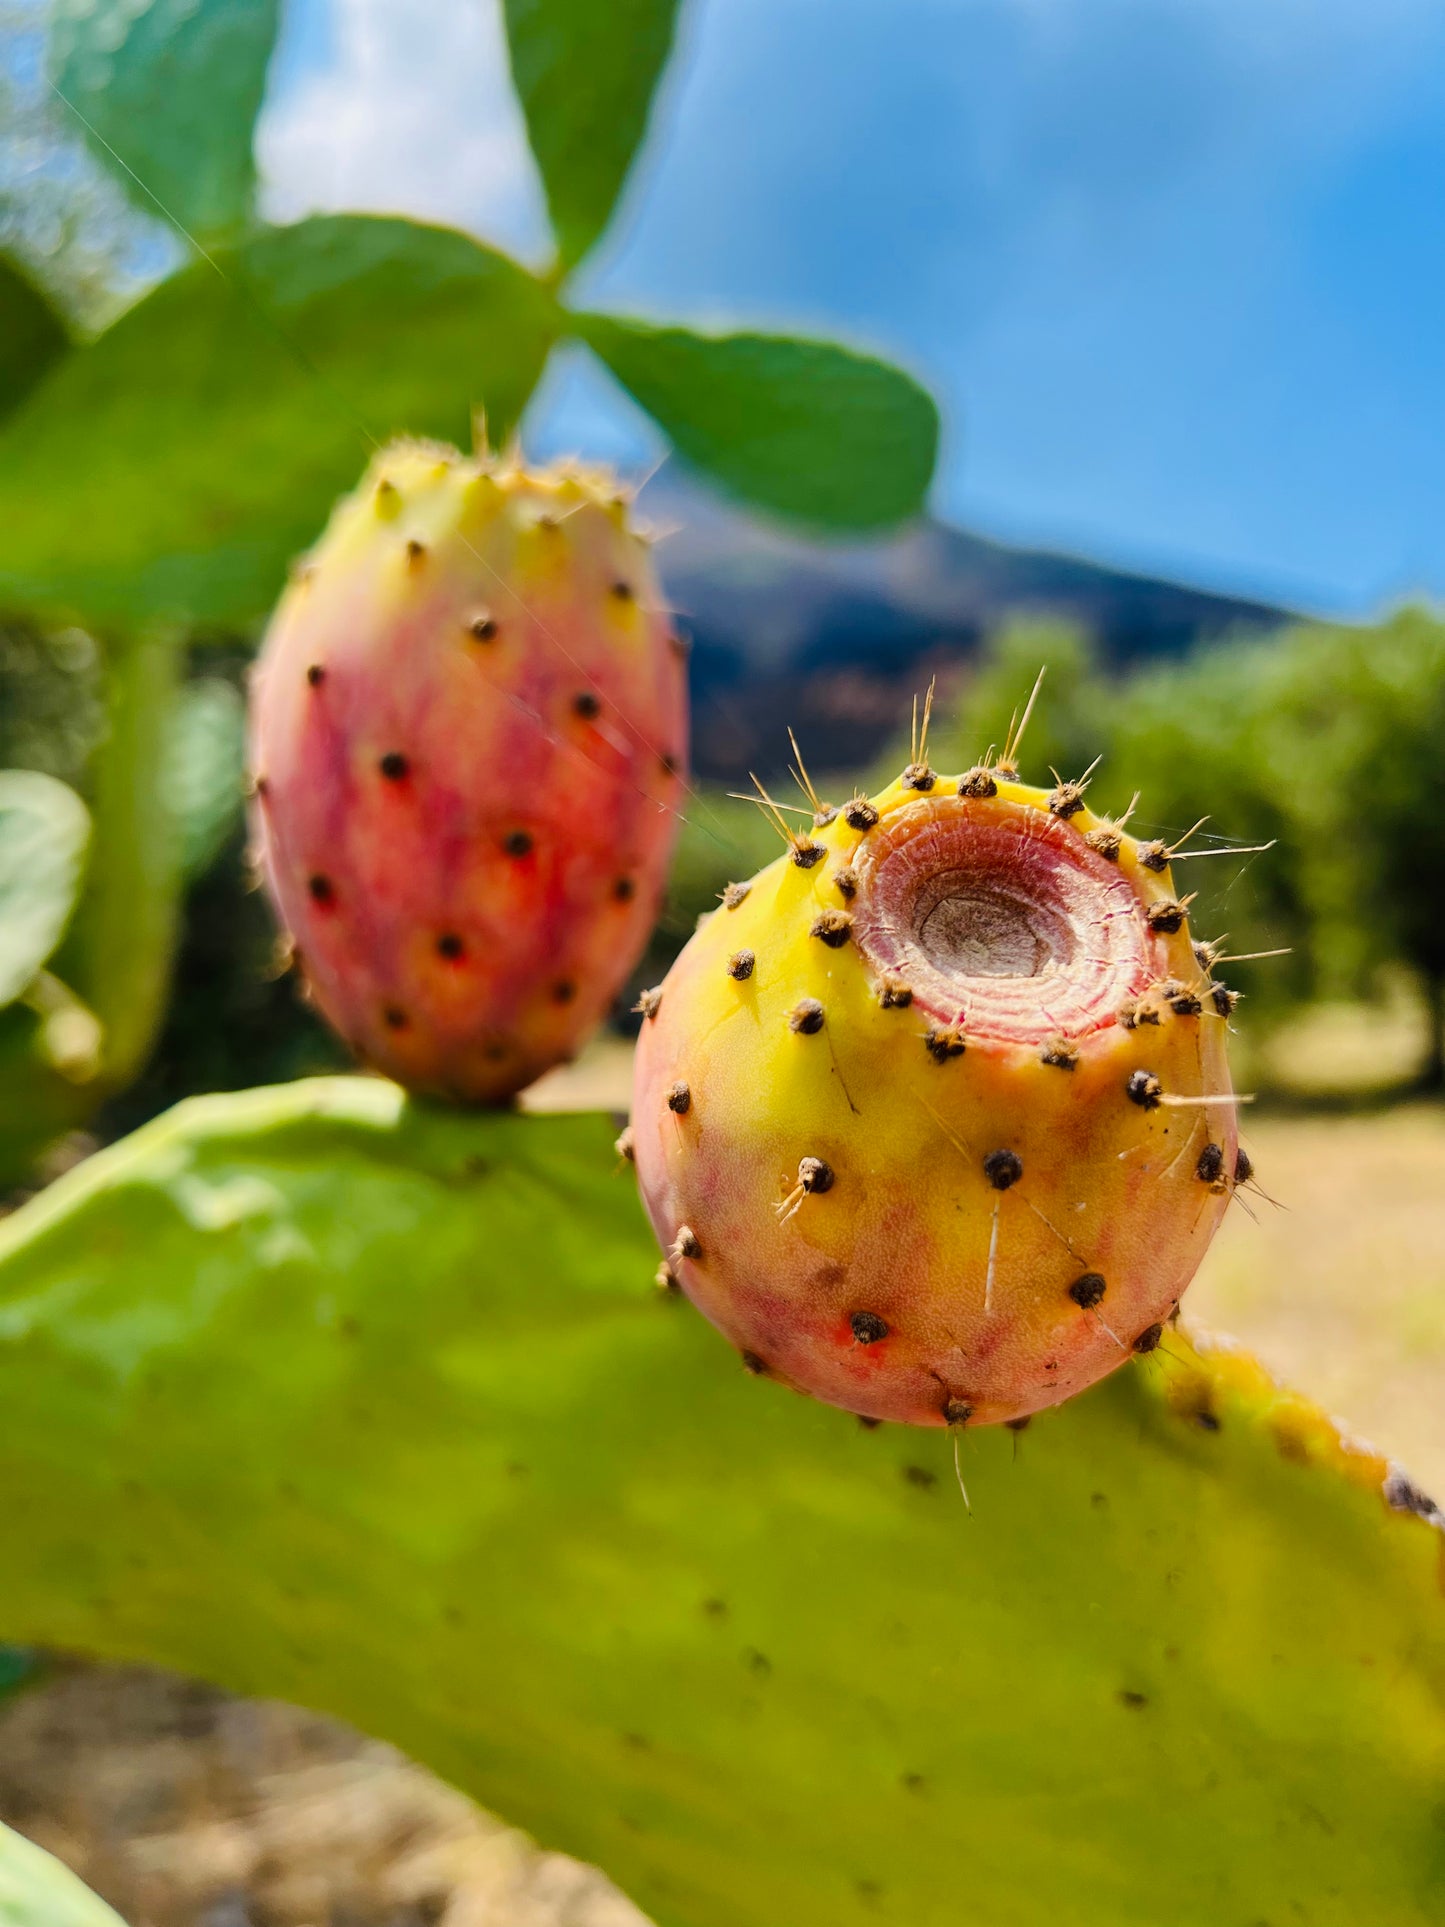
column 933, row 1117
column 468, row 731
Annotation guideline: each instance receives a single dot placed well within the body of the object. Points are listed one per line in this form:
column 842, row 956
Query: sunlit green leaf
column 32, row 335
column 37, row 1891
column 44, row 830
column 805, row 428
column 175, row 466
column 586, row 75
column 166, row 93
column 375, row 1407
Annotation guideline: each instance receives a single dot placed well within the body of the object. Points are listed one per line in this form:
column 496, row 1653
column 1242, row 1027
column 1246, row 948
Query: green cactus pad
column 36, row 1891
column 324, row 1395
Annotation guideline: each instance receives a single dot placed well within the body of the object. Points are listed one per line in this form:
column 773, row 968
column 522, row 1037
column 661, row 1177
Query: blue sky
column 1175, row 268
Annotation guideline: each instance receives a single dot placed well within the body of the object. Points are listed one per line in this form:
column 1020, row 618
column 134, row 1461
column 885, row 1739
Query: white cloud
column 412, row 113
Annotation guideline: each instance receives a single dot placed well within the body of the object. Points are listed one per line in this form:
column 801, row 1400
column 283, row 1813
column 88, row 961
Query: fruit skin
column 1001, row 1223
column 468, row 738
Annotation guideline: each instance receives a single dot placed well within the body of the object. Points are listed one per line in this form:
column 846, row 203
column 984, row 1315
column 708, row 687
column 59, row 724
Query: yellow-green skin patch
column 468, row 736
column 995, row 1227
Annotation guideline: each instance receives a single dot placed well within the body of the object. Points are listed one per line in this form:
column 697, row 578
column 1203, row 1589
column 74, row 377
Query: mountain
column 835, row 638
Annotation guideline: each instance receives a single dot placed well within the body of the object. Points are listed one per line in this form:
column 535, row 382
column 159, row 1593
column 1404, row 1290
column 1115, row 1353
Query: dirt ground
column 188, row 1809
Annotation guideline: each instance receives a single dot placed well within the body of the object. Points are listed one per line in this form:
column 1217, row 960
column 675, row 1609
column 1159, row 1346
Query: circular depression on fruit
column 1000, row 918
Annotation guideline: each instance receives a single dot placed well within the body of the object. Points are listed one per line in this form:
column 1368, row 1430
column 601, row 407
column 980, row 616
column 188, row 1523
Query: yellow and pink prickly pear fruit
column 933, row 1117
column 468, row 733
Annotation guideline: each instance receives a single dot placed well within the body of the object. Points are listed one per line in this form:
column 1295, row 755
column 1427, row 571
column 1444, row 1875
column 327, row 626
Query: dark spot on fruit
column 1128, row 1697
column 943, row 1044
column 586, row 705
column 978, row 783
column 1067, row 800
column 920, row 1475
column 1166, row 916
column 450, row 945
column 815, row 1175
column 669, row 764
column 752, row 1363
column 316, row 675
column 665, row 1278
column 622, row 590
column 483, row 628
column 912, row 1782
column 495, row 1053
column 868, row 1424
column 260, row 786
column 1088, row 1291
column 687, row 1245
column 859, row 813
column 626, row 1147
column 649, row 1002
column 394, row 1017
column 918, row 776
column 563, row 991
column 1180, row 999
column 548, row 522
column 1019, row 1424
column 394, row 765
column 1062, row 1056
column 846, row 882
column 894, row 995
column 833, row 928
column 1145, row 1090
column 757, row 1662
column 734, row 894
column 1148, row 1339
column 1243, row 1166
column 679, row 1098
column 321, row 889
column 1106, row 843
column 805, row 855
column 1154, row 856
column 415, row 550
column 740, row 964
column 1224, row 999
column 806, row 1017
column 1210, row 1166
column 957, row 1411
column 518, row 843
column 1003, row 1168
column 1208, row 1421
column 868, row 1328
column 624, row 890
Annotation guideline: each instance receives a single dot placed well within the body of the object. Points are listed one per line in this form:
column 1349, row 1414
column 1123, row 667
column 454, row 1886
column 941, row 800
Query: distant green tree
column 1068, row 726
column 1357, row 753
column 1325, row 743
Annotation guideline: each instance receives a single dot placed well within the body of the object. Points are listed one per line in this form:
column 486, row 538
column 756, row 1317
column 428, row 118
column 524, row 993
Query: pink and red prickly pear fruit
column 933, row 1118
column 468, row 732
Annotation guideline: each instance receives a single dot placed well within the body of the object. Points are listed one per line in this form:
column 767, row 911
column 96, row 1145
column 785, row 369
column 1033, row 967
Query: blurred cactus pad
column 326, row 1395
column 36, row 1891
